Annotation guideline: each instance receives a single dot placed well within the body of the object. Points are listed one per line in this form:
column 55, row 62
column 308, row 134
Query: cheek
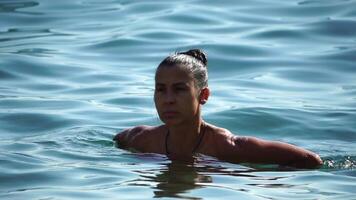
column 195, row 104
column 156, row 99
column 191, row 100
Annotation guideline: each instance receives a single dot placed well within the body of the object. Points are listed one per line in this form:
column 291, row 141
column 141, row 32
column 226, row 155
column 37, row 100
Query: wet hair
column 194, row 60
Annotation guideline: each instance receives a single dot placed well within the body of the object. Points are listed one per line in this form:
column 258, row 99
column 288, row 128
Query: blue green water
column 75, row 72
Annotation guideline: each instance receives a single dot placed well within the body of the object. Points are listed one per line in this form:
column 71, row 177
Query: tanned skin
column 178, row 102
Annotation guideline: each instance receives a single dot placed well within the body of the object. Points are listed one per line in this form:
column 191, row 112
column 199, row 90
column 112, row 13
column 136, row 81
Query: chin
column 171, row 121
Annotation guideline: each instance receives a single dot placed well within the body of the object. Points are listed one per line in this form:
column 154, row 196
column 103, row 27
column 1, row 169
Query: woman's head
column 181, row 86
column 194, row 61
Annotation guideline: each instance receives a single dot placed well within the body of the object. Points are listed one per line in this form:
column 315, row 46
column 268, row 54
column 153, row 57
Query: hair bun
column 197, row 54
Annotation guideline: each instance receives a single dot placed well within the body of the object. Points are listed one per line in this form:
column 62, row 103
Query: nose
column 169, row 97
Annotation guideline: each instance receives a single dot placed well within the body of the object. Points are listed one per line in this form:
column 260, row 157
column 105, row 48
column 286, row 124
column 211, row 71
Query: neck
column 183, row 138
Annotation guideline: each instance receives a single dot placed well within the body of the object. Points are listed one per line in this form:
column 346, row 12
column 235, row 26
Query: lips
column 170, row 114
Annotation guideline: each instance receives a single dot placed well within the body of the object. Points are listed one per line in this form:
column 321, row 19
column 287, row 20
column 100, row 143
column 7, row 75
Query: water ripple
column 74, row 73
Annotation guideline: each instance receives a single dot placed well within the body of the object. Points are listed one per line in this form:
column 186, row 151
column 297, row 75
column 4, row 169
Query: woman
column 181, row 88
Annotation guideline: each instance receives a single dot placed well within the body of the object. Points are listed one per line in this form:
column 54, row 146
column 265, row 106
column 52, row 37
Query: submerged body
column 180, row 92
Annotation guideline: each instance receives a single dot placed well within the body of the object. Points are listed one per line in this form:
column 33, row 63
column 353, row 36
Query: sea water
column 73, row 73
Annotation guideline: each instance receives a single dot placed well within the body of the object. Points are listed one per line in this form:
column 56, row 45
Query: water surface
column 75, row 72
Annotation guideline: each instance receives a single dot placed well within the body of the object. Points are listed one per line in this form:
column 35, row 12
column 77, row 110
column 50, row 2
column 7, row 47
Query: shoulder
column 220, row 139
column 128, row 136
column 138, row 137
column 130, row 133
column 219, row 134
column 226, row 143
column 225, row 138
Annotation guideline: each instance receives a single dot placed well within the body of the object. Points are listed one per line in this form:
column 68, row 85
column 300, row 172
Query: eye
column 159, row 89
column 180, row 89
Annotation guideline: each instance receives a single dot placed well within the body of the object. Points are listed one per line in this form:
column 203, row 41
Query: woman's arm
column 253, row 150
column 130, row 138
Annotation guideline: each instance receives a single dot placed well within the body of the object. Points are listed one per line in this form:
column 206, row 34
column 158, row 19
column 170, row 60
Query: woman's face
column 176, row 97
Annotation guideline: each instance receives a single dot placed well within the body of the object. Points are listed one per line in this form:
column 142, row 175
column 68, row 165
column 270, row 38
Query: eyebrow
column 174, row 84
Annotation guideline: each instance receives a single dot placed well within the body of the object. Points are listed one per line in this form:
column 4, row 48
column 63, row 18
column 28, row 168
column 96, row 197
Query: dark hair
column 197, row 54
column 195, row 60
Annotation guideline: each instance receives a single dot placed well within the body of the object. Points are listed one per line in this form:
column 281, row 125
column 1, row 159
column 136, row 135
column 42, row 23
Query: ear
column 204, row 95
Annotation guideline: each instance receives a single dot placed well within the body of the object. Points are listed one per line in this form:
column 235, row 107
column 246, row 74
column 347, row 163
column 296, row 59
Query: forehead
column 172, row 74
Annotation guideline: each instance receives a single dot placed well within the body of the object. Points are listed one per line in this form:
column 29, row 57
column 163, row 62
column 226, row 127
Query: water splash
column 340, row 163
